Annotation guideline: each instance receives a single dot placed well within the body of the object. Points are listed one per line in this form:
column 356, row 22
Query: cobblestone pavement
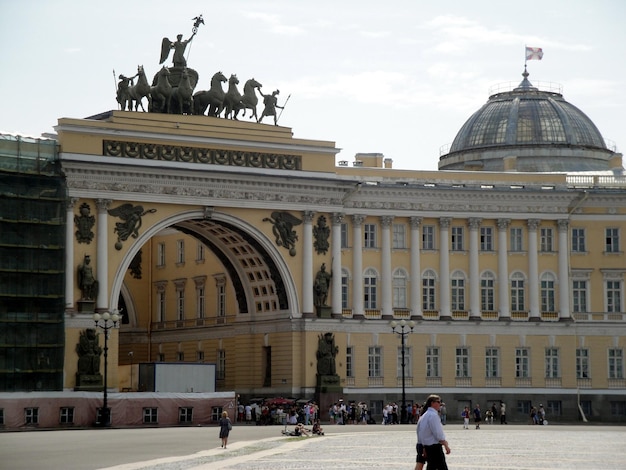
column 393, row 447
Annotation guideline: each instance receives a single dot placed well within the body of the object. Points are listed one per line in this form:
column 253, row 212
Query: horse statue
column 232, row 100
column 213, row 98
column 182, row 95
column 137, row 92
column 161, row 93
column 249, row 99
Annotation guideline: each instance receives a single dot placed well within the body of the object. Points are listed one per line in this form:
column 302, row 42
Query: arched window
column 370, row 281
column 487, row 291
column 399, row 288
column 547, row 292
column 517, row 292
column 457, row 285
column 428, row 290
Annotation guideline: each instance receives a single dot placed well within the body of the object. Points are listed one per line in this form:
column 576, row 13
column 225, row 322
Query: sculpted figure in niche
column 89, row 352
column 326, row 352
column 86, row 280
column 321, row 286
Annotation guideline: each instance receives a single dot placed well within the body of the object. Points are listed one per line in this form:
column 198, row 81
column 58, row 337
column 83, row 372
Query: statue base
column 323, row 311
column 86, row 306
column 88, row 383
column 327, row 392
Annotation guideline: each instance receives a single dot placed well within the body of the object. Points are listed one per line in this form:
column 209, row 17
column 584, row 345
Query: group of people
column 267, row 413
column 490, row 415
column 349, row 413
column 538, row 415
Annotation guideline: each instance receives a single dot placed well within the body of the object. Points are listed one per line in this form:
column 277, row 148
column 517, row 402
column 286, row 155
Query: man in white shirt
column 430, row 434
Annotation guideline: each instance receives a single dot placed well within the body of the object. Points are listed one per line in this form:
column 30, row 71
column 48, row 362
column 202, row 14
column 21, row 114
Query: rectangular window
column 369, row 234
column 578, row 240
column 547, row 295
column 399, row 236
column 180, row 304
column 1, row 416
column 516, row 239
column 344, row 236
column 492, row 362
column 462, row 362
column 200, row 356
column 221, row 300
column 200, row 251
column 349, row 364
column 428, row 237
column 180, row 356
column 399, row 291
column 613, row 296
column 618, row 408
column 161, row 357
column 616, row 363
column 180, row 251
column 216, row 413
column 185, row 415
column 487, row 294
column 523, row 407
column 200, row 302
column 344, row 289
column 374, row 361
column 161, row 254
column 457, row 239
column 161, row 306
column 66, row 415
column 552, row 363
column 486, row 238
column 579, row 296
column 553, row 408
column 370, row 292
column 432, row 362
column 221, row 364
column 428, row 293
column 458, row 294
column 612, row 240
column 407, row 362
column 546, row 240
column 582, row 363
column 587, row 408
column 150, row 416
column 522, row 363
column 517, row 295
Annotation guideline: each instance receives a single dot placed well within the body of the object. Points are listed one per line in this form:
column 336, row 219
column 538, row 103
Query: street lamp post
column 405, row 329
column 109, row 320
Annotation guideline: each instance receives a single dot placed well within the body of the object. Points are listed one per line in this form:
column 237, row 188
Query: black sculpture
column 326, row 352
column 321, row 286
column 131, row 221
column 86, row 281
column 321, row 232
column 283, row 230
column 84, row 223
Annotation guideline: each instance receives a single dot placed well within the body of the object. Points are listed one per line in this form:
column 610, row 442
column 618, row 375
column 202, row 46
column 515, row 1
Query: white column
column 564, row 280
column 533, row 268
column 474, row 272
column 335, row 292
column 357, row 265
column 102, row 256
column 416, row 270
column 307, row 262
column 70, row 269
column 444, row 268
column 386, row 280
column 503, row 270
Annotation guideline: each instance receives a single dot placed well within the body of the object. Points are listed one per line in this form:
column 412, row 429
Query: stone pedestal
column 88, row 382
column 323, row 311
column 86, row 306
column 328, row 391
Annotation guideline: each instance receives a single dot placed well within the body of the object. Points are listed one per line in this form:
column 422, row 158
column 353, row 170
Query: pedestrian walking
column 225, row 428
column 430, row 434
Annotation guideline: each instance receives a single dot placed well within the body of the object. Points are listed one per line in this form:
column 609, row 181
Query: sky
column 398, row 77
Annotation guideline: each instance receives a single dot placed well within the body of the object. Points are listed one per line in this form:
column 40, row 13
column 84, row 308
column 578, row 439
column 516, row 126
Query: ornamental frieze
column 183, row 154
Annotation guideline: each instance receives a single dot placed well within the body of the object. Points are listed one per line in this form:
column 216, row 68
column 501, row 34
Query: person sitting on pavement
column 317, row 428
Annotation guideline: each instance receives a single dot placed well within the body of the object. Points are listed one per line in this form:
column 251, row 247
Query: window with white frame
column 400, row 281
column 428, row 290
column 457, row 238
column 344, row 235
column 31, row 415
column 200, row 255
column 344, row 288
column 579, row 296
column 613, row 296
column 180, row 251
column 160, row 254
column 486, row 238
column 457, row 286
column 522, row 363
column 578, row 240
column 399, row 236
column 180, row 356
column 462, row 362
column 349, row 361
column 547, row 292
column 220, row 294
column 492, row 362
column 515, row 242
column 150, row 415
column 180, row 301
column 612, row 240
column 407, row 362
column 374, row 361
column 161, row 305
column 432, row 362
column 582, row 363
column 66, row 415
column 616, row 363
column 185, row 414
column 487, row 291
column 546, row 240
column 517, row 292
column 552, row 363
column 200, row 301
column 220, row 371
column 369, row 234
column 428, row 237
column 370, row 281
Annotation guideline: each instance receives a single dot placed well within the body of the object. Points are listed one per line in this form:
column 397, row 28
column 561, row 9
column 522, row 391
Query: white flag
column 534, row 53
